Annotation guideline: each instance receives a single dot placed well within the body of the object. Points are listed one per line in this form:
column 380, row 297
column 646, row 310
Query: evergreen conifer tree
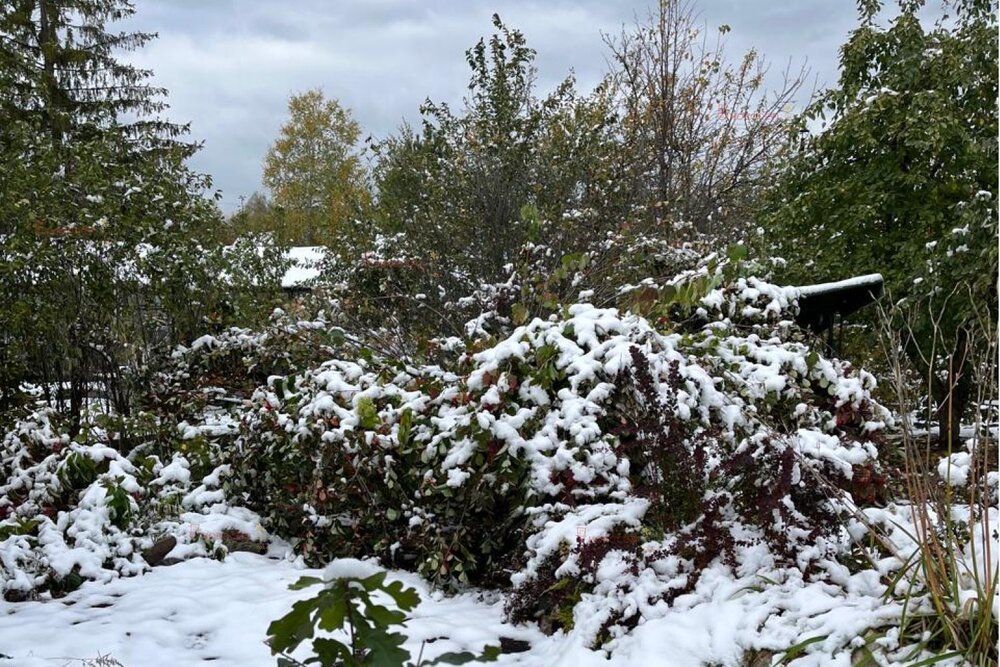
column 109, row 246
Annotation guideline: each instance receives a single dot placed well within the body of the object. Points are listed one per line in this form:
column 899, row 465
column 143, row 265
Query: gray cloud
column 230, row 65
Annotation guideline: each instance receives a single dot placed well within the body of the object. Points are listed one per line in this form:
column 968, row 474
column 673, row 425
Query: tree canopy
column 901, row 177
column 907, row 151
column 314, row 170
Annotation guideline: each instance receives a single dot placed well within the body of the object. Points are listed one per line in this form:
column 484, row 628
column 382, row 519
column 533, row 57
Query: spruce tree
column 110, row 248
column 58, row 59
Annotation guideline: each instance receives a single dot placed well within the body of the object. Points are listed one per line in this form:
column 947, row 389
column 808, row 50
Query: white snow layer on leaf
column 954, row 469
column 350, row 568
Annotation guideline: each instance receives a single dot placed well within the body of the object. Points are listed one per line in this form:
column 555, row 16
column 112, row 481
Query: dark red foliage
column 868, row 485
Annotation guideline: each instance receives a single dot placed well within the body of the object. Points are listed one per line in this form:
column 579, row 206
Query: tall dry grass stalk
column 951, row 578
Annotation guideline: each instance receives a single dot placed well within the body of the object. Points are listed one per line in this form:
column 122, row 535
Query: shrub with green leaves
column 84, row 507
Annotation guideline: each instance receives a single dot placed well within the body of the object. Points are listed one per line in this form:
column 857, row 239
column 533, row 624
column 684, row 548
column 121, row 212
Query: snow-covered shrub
column 86, row 506
column 589, row 453
column 234, row 362
column 78, row 508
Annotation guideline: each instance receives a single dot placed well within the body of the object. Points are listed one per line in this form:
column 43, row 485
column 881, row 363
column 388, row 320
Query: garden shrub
column 88, row 506
column 576, row 446
column 77, row 508
column 591, row 464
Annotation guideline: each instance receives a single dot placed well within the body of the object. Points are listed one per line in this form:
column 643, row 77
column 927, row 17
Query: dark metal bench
column 820, row 306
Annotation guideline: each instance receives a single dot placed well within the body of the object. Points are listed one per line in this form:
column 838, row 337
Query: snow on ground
column 206, row 611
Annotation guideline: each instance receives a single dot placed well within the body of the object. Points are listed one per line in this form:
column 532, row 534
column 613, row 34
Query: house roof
column 306, row 266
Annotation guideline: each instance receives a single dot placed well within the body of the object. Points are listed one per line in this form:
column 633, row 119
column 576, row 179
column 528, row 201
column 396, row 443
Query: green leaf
column 453, row 659
column 490, row 653
column 373, row 582
column 938, row 658
column 293, row 628
column 333, row 612
column 570, row 262
column 384, row 616
column 736, row 252
column 385, row 648
column 304, row 582
column 331, row 652
column 405, row 425
column 405, row 598
column 367, row 413
column 796, row 650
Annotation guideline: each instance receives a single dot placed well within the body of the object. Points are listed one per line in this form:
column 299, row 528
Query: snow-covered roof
column 306, row 262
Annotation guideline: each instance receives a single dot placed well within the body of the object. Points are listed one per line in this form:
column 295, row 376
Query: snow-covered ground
column 211, row 612
column 207, row 611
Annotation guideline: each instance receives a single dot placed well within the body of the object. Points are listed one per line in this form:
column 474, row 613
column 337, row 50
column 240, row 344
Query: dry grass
column 947, row 599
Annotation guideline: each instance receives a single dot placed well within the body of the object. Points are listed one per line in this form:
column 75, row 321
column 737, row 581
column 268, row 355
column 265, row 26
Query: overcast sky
column 230, row 65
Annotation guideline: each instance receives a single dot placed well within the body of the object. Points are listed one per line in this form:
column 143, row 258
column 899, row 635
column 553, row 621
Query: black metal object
column 820, row 305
